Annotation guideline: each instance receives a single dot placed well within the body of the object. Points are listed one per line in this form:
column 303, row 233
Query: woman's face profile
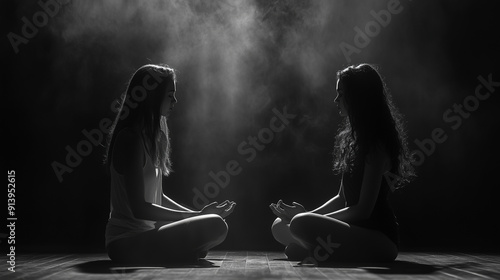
column 340, row 100
column 169, row 100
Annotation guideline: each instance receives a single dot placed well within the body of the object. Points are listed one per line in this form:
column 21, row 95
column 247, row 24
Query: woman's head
column 371, row 121
column 150, row 92
column 146, row 104
column 362, row 93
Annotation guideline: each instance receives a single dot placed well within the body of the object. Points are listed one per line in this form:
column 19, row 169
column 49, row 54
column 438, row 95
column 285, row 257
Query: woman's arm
column 128, row 159
column 170, row 203
column 287, row 212
column 334, row 204
column 376, row 164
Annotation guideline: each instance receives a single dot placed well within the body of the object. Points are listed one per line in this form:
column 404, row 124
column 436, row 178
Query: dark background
column 236, row 61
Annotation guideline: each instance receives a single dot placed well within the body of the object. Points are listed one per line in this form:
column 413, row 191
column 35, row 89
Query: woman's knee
column 280, row 231
column 222, row 228
column 278, row 226
column 300, row 224
column 216, row 225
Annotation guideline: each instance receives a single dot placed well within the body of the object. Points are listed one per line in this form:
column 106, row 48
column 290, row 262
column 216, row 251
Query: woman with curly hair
column 372, row 156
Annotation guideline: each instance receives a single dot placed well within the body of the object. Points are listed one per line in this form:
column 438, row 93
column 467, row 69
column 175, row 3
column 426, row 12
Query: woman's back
column 382, row 217
column 122, row 222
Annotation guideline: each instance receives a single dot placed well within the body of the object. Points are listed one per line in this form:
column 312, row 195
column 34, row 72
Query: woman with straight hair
column 145, row 225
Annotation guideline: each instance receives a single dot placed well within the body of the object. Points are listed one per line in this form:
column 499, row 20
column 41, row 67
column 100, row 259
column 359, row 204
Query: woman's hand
column 227, row 208
column 224, row 209
column 286, row 212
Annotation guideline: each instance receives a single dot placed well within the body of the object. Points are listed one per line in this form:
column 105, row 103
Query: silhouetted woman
column 146, row 226
column 372, row 155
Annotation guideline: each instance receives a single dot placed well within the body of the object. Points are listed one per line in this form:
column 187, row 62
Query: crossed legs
column 294, row 248
column 307, row 235
column 184, row 240
column 328, row 239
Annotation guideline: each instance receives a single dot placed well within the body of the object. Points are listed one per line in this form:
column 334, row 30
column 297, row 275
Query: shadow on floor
column 396, row 267
column 402, row 267
column 111, row 267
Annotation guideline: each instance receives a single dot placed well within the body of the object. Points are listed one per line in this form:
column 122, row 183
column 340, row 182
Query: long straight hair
column 372, row 122
column 141, row 103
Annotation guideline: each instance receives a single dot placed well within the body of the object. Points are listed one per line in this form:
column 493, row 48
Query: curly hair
column 372, row 122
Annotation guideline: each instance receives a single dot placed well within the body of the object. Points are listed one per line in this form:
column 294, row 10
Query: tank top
column 121, row 222
column 382, row 217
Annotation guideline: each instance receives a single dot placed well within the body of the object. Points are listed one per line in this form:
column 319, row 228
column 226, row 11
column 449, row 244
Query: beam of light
column 235, row 61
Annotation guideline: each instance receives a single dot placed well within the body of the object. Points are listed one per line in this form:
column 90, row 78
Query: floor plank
column 257, row 265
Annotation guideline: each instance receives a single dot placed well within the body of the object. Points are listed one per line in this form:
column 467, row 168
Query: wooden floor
column 257, row 265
